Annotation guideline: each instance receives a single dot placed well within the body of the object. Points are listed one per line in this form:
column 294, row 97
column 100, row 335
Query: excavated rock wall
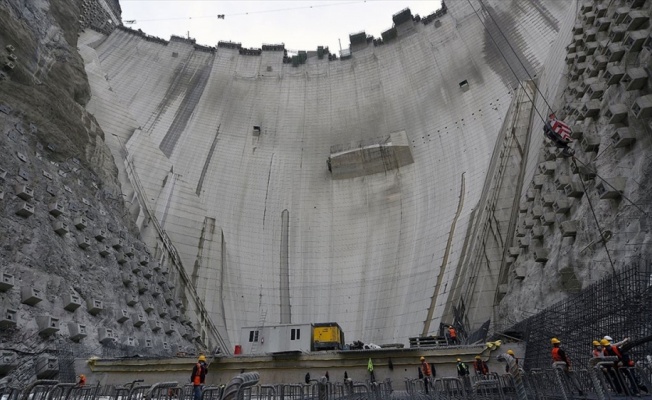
column 72, row 263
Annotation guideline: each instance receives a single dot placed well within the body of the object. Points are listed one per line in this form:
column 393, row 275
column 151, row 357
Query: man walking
column 427, row 373
column 198, row 376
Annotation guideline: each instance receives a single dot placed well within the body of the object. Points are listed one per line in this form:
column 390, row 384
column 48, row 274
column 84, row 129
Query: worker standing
column 452, row 333
column 462, row 368
column 198, row 376
column 511, row 353
column 82, row 380
column 427, row 373
column 560, row 358
column 480, row 366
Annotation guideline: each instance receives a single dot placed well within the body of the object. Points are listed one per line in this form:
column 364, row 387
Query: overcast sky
column 301, row 25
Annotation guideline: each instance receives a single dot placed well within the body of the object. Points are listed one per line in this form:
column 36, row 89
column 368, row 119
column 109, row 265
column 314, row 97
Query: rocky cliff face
column 76, row 279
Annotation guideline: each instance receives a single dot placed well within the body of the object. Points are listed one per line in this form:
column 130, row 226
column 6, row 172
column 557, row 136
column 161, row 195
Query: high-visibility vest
column 196, row 380
column 425, row 367
column 452, row 333
column 556, row 356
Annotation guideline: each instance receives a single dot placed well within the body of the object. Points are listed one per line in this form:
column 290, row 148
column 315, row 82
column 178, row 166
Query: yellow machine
column 327, row 336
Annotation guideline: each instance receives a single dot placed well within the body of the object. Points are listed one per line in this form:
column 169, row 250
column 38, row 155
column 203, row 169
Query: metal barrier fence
column 603, row 379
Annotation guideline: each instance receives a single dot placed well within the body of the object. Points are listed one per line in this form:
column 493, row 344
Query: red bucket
column 238, row 349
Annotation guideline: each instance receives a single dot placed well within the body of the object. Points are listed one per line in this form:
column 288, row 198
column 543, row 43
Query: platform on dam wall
column 369, row 251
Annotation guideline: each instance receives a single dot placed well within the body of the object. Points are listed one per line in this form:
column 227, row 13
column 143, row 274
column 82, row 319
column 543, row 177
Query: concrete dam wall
column 226, row 144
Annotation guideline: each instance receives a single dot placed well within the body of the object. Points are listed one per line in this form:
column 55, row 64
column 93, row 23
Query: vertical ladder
column 258, row 335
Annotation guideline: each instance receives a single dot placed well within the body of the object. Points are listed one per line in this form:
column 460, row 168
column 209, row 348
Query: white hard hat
column 608, row 338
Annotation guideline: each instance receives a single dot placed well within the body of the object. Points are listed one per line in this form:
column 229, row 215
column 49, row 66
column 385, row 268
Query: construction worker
column 198, row 376
column 452, row 333
column 82, row 380
column 480, row 366
column 617, row 344
column 597, row 350
column 625, row 361
column 511, row 353
column 559, row 357
column 462, row 368
column 427, row 373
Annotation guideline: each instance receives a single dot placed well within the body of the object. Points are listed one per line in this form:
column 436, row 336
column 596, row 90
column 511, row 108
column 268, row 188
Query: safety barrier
column 602, row 380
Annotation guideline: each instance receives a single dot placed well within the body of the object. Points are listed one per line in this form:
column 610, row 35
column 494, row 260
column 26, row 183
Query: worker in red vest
column 480, row 366
column 198, row 376
column 559, row 356
column 82, row 380
column 610, row 350
column 427, row 373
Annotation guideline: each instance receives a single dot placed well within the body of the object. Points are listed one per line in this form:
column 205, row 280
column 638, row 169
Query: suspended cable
column 222, row 16
column 602, row 237
column 507, row 62
column 515, row 54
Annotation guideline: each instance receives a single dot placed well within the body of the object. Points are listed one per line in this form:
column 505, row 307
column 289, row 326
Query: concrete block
column 613, row 189
column 636, row 3
column 61, row 228
column 8, row 318
column 155, row 325
column 24, row 191
column 131, row 341
column 578, row 29
column 541, row 255
column 117, row 243
column 80, row 222
column 547, row 199
column 25, row 210
column 537, row 232
column 617, row 33
column 590, row 144
column 502, row 289
column 520, row 231
column 47, row 366
column 149, row 307
column 143, row 286
column 99, row 234
column 586, row 171
column 6, row 281
column 530, row 194
column 635, row 19
column 161, row 279
column 579, row 69
column 591, row 48
column 156, row 291
column 55, row 209
column 589, row 18
column 570, row 58
column 586, row 8
column 561, row 205
column 602, row 24
column 538, row 181
column 139, row 320
column 168, row 296
column 83, row 242
column 574, row 189
column 169, row 328
column 514, row 251
column 77, row 331
column 30, row 295
column 524, row 242
column 134, row 267
column 623, row 137
column 47, row 325
column 121, row 258
column 149, row 343
column 580, row 57
column 71, row 301
column 634, row 79
column 156, row 266
column 144, row 260
column 132, row 300
column 537, row 211
column 591, row 109
column 642, row 107
column 615, row 52
column 104, row 250
column 94, row 306
column 7, row 361
column 106, row 335
column 614, row 74
column 634, row 41
column 569, row 228
column 548, row 168
column 147, row 272
column 123, row 316
column 519, row 273
column 256, row 131
column 596, row 90
column 549, row 154
column 127, row 278
column 162, row 311
column 590, row 34
column 175, row 315
column 130, row 251
column 561, row 181
column 48, row 175
column 616, row 113
column 648, row 44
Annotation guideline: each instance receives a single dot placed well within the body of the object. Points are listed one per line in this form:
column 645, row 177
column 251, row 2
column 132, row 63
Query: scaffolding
column 619, row 306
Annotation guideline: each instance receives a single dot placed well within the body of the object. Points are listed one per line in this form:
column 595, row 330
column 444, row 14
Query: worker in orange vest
column 198, row 376
column 452, row 333
column 480, row 366
column 82, row 380
column 427, row 373
column 559, row 356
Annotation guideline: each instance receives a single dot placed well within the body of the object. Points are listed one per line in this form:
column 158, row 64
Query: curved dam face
column 241, row 158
